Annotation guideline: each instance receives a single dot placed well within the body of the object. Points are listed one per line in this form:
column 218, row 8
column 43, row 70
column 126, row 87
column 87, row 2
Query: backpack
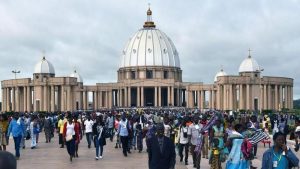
column 247, row 149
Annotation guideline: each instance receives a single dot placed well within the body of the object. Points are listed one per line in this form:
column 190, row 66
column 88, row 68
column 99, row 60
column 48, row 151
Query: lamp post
column 260, row 70
column 15, row 72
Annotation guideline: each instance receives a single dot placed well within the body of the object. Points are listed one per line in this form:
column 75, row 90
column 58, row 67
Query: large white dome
column 150, row 47
column 77, row 75
column 249, row 65
column 220, row 73
column 44, row 67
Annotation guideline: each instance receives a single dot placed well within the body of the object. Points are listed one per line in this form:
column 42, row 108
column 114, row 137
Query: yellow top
column 216, row 151
column 61, row 124
column 4, row 126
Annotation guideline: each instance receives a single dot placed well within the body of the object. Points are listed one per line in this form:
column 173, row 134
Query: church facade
column 149, row 75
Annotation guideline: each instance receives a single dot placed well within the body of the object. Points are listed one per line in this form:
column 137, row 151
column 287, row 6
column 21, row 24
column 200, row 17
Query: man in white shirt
column 194, row 134
column 88, row 124
column 183, row 142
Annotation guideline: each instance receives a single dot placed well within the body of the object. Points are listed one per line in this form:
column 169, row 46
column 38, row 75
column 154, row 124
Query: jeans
column 111, row 131
column 22, row 144
column 33, row 140
column 196, row 158
column 17, row 141
column 71, row 147
column 133, row 141
column 99, row 145
column 186, row 150
column 124, row 141
column 89, row 138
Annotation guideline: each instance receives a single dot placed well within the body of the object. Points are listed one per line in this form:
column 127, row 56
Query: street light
column 15, row 72
column 260, row 70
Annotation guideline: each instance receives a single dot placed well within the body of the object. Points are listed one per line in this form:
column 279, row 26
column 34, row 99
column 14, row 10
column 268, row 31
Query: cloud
column 207, row 34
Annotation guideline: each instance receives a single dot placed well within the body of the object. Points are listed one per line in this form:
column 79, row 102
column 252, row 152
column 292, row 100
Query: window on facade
column 149, row 74
column 132, row 75
column 166, row 75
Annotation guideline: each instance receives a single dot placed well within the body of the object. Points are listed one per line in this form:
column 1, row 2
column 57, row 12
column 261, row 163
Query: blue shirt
column 16, row 128
column 282, row 162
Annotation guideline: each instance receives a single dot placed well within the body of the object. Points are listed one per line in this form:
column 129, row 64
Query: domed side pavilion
column 149, row 74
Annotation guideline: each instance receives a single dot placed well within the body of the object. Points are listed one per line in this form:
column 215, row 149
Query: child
column 214, row 160
column 266, row 140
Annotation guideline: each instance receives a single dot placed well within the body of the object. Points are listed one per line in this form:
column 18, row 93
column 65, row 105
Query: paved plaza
column 50, row 156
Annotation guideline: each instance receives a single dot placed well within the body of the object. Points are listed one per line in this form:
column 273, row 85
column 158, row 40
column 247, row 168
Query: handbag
column 69, row 137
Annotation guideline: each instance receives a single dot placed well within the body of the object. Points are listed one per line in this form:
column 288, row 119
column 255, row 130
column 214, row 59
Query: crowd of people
column 225, row 139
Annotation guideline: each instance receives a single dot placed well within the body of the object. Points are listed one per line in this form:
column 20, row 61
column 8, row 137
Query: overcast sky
column 90, row 35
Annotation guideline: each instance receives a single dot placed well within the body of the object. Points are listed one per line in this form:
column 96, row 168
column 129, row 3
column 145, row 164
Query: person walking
column 88, row 125
column 183, row 142
column 69, row 136
column 16, row 128
column 60, row 126
column 47, row 128
column 123, row 131
column 78, row 133
column 4, row 126
column 194, row 134
column 161, row 150
column 34, row 130
column 110, row 121
column 99, row 131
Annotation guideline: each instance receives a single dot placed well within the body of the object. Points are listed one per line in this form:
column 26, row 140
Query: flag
column 258, row 136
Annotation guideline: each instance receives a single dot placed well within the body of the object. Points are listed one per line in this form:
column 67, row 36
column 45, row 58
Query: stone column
column 225, row 99
column 159, row 96
column 101, row 99
column 292, row 97
column 45, row 98
column 280, row 97
column 24, row 99
column 8, row 99
column 29, row 99
column 110, row 98
column 265, row 97
column 241, row 100
column 118, row 98
column 269, row 97
column 155, row 97
column 276, row 98
column 3, row 100
column 218, row 97
column 69, row 99
column 121, row 98
column 169, row 95
column 288, row 97
column 230, row 97
column 13, row 107
column 248, row 97
column 52, row 98
column 129, row 96
column 199, row 99
column 213, row 106
column 84, row 100
column 178, row 97
column 126, row 97
column 142, row 97
column 202, row 99
column 138, row 104
column 63, row 99
column 261, row 96
column 172, row 95
column 95, row 100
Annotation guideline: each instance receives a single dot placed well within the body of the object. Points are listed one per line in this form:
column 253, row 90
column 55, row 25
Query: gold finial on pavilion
column 149, row 23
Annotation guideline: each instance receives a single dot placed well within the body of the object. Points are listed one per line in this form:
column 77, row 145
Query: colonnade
column 251, row 97
column 203, row 99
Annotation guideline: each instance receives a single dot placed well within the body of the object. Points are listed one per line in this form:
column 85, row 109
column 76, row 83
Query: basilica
column 149, row 74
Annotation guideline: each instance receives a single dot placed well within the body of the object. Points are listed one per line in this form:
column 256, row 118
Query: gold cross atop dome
column 149, row 23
